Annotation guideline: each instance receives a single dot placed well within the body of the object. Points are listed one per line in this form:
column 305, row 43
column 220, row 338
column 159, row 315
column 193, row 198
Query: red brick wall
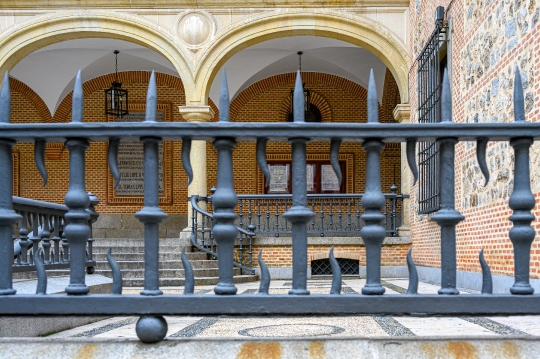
column 485, row 49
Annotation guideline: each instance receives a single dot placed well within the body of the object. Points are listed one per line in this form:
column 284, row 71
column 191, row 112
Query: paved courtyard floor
column 342, row 326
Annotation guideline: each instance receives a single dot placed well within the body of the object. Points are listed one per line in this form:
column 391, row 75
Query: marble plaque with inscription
column 329, row 180
column 131, row 161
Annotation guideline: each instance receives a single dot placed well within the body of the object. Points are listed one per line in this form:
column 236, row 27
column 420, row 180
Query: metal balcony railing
column 151, row 304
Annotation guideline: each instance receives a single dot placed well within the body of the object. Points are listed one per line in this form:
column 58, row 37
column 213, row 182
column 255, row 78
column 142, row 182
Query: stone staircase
column 129, row 254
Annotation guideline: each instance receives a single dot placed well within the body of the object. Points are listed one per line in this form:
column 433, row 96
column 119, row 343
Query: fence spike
column 261, row 159
column 413, row 274
column 481, row 145
column 39, row 158
column 487, row 280
column 519, row 103
column 411, row 158
column 189, row 278
column 299, row 114
column 77, row 100
column 116, row 273
column 112, row 156
column 264, row 286
column 5, row 100
column 41, row 274
column 336, row 273
column 224, row 103
column 186, row 159
column 151, row 99
column 372, row 100
column 334, row 158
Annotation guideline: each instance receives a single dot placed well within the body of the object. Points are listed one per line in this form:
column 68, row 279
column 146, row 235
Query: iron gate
column 151, row 304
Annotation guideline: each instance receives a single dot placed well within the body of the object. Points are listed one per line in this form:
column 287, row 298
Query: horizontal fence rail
column 151, row 304
column 43, row 223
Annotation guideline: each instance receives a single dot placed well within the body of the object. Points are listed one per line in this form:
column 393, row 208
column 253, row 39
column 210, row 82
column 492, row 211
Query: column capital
column 402, row 113
column 196, row 113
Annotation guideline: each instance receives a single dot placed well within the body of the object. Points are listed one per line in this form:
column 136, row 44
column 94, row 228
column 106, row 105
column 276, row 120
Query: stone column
column 197, row 113
column 402, row 114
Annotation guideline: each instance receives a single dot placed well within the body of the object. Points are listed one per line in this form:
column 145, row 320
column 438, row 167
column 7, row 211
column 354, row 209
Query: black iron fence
column 43, row 223
column 151, row 304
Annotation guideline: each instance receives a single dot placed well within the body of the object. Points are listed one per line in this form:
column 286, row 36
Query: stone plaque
column 131, row 162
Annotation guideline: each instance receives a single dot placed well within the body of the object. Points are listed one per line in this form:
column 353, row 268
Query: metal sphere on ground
column 151, row 329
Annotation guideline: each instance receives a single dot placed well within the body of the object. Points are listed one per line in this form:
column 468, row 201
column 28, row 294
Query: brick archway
column 98, row 83
column 288, row 79
column 34, row 98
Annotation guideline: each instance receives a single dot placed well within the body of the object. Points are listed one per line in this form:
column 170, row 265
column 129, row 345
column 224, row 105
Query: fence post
column 447, row 217
column 8, row 217
column 224, row 200
column 299, row 214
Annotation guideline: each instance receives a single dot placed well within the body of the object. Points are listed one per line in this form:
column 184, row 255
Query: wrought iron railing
column 43, row 223
column 335, row 214
column 203, row 239
column 152, row 304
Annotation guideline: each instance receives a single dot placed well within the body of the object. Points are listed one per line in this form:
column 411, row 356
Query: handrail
column 205, row 248
column 43, row 222
column 336, row 214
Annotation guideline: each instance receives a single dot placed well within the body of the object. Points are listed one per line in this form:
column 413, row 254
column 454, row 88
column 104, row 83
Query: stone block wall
column 488, row 40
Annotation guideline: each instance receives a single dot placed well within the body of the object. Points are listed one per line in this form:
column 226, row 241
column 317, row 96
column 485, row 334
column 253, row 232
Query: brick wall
column 489, row 39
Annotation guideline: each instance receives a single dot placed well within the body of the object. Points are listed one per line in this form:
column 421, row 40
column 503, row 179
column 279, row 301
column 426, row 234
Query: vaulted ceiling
column 51, row 71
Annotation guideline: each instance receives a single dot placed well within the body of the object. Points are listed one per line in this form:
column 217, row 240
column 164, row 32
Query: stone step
column 128, row 249
column 167, row 273
column 120, row 256
column 133, row 273
column 133, row 242
column 163, row 264
column 176, row 282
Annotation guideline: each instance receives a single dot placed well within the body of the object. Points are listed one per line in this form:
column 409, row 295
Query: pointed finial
column 446, row 99
column 298, row 99
column 5, row 100
column 372, row 100
column 224, row 102
column 151, row 99
column 77, row 100
column 519, row 103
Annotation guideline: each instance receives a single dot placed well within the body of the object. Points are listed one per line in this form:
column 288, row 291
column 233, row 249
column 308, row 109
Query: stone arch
column 32, row 96
column 41, row 31
column 288, row 79
column 361, row 31
column 64, row 109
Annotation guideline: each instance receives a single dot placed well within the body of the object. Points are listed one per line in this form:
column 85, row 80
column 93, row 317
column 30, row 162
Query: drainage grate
column 322, row 266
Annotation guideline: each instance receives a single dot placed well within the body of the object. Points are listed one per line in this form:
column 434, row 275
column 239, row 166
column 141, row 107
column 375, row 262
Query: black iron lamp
column 116, row 98
column 311, row 112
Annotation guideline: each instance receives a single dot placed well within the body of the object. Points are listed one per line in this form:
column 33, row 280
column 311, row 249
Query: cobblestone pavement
column 276, row 327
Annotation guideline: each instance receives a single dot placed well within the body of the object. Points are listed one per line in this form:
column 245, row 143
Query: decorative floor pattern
column 356, row 326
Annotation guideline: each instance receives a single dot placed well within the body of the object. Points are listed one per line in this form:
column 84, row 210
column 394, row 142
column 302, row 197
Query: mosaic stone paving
column 277, row 327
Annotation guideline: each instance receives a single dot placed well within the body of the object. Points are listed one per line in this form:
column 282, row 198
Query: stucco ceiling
column 51, row 71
